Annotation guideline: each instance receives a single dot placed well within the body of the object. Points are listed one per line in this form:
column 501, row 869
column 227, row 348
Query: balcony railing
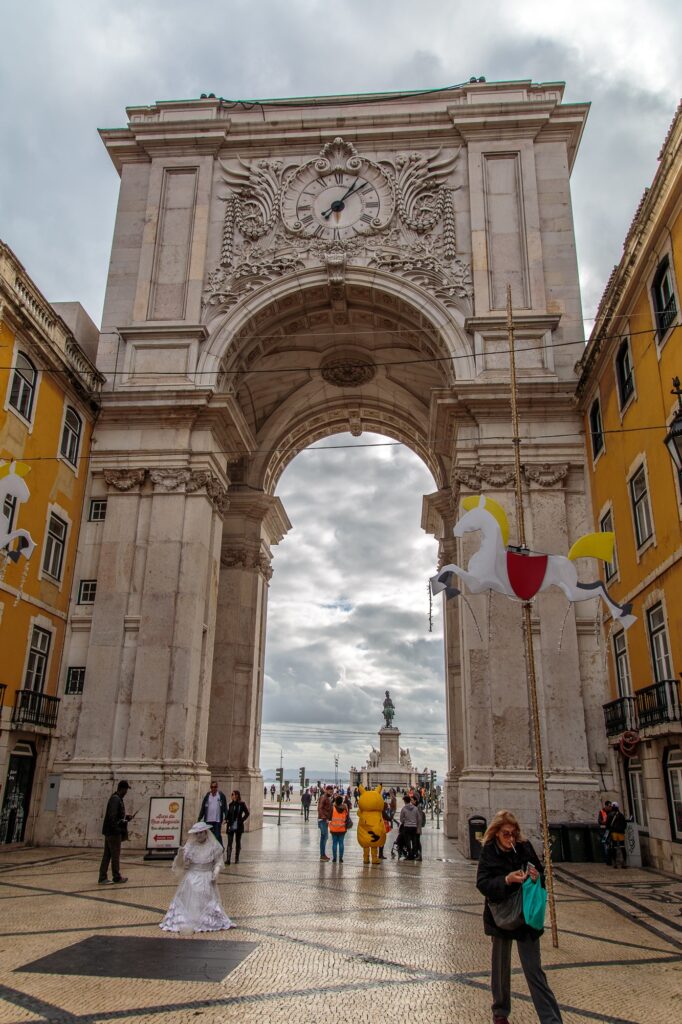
column 659, row 703
column 666, row 316
column 620, row 715
column 2, row 694
column 34, row 708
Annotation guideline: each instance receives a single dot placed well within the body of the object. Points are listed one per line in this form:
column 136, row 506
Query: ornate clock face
column 337, row 205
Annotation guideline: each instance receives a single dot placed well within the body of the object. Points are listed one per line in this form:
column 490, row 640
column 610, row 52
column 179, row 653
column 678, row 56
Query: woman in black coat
column 507, row 859
column 237, row 813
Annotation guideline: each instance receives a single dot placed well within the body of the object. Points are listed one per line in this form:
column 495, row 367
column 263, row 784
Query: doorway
column 18, row 789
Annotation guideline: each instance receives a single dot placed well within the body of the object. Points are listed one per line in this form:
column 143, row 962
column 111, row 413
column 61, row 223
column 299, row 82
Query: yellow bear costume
column 371, row 828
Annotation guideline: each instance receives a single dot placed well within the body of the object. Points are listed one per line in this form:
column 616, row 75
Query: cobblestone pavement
column 321, row 942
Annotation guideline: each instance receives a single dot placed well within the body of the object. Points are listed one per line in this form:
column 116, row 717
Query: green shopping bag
column 534, row 903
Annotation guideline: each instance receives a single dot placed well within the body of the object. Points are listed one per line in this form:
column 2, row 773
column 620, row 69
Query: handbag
column 234, row 825
column 534, row 903
column 508, row 913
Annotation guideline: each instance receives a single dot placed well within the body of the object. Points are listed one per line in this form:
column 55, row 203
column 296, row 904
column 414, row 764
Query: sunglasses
column 507, row 834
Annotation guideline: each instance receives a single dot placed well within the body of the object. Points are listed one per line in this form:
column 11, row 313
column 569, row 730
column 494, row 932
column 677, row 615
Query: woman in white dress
column 196, row 906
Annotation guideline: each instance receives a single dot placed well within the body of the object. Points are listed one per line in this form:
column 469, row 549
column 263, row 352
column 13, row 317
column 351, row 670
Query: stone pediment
column 394, row 213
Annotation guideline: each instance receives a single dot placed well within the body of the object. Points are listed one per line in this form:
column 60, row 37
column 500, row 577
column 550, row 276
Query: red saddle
column 526, row 573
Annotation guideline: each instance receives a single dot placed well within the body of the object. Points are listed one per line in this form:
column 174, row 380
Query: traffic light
column 433, row 780
column 301, row 777
column 279, row 775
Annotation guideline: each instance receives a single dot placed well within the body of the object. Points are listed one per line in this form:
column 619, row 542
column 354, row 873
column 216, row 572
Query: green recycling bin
column 596, row 844
column 576, row 842
column 556, row 844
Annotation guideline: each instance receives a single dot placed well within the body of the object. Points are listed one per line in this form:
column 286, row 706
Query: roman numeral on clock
column 367, row 218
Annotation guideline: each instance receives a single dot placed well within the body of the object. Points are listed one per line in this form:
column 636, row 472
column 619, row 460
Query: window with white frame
column 38, row 653
column 87, row 590
column 71, row 436
column 606, row 526
column 674, row 780
column 641, row 508
column 55, row 546
column 75, row 679
column 620, row 656
column 663, row 297
column 23, row 387
column 9, row 509
column 98, row 510
column 625, row 377
column 658, row 642
column 596, row 428
column 636, row 792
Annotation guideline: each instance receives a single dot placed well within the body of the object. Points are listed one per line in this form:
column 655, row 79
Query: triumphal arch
column 280, row 272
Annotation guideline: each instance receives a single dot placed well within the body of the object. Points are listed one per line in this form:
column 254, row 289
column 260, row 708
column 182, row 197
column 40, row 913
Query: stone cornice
column 540, row 322
column 262, row 508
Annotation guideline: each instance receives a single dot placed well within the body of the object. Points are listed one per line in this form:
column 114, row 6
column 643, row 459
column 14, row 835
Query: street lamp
column 673, row 439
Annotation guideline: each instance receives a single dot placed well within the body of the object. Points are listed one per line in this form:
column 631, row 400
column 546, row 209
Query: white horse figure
column 12, row 485
column 517, row 573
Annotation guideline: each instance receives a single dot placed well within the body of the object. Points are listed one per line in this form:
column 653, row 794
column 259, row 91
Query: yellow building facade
column 624, row 392
column 49, row 393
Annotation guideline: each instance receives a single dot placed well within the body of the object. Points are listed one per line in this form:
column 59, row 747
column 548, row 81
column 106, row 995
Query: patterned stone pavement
column 319, row 942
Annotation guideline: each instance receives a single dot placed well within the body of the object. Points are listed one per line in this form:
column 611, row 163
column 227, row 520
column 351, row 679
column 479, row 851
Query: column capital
column 124, row 479
column 246, row 556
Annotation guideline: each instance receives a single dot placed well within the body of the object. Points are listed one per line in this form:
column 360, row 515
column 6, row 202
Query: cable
column 349, row 362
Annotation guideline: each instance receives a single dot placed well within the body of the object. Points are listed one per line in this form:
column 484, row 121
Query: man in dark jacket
column 114, row 827
column 214, row 810
column 306, row 800
column 506, row 861
column 616, row 826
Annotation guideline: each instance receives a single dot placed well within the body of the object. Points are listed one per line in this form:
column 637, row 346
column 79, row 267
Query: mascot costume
column 371, row 828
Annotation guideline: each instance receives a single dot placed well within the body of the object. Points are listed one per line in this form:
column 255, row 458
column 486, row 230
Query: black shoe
column 120, row 881
column 103, row 881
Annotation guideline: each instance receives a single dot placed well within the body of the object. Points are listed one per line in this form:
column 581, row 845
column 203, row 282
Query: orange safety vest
column 339, row 818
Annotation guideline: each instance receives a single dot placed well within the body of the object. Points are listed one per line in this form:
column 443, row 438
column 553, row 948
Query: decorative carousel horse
column 516, row 572
column 12, row 485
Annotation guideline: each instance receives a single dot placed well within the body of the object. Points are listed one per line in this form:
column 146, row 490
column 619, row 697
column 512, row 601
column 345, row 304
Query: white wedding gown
column 196, row 906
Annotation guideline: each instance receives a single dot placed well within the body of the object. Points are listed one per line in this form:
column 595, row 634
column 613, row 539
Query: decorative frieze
column 544, row 474
column 244, row 556
column 169, row 479
column 124, row 479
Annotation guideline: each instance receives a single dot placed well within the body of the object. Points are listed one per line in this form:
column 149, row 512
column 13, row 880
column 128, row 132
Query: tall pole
column 281, row 784
column 527, row 628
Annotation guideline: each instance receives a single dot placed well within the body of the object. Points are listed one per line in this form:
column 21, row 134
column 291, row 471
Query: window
column 606, row 526
column 624, row 375
column 22, row 391
column 86, row 591
column 55, row 543
column 640, row 507
column 98, row 510
column 620, row 655
column 658, row 641
column 674, row 780
column 635, row 780
column 663, row 297
column 71, row 436
column 75, row 678
column 38, row 653
column 10, row 509
column 596, row 428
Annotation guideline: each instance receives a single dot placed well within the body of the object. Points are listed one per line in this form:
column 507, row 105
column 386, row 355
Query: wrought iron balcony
column 620, row 716
column 659, row 704
column 2, row 694
column 34, row 708
column 666, row 316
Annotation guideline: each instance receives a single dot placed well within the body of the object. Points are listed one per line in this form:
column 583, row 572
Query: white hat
column 201, row 826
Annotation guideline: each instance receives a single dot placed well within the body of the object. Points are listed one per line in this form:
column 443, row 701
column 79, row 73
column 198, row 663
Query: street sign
column 164, row 828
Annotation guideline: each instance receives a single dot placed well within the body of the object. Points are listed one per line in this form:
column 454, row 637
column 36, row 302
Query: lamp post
column 673, row 439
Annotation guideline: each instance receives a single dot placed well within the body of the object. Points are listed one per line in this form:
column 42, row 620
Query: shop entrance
column 17, row 793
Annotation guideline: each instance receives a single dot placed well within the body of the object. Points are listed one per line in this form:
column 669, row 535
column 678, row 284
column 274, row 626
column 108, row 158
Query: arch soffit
column 446, row 323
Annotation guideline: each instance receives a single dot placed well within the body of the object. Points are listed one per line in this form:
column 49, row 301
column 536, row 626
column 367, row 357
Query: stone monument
column 390, row 765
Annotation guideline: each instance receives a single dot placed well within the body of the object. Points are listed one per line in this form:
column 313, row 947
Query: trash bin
column 596, row 844
column 477, row 827
column 556, row 843
column 576, row 842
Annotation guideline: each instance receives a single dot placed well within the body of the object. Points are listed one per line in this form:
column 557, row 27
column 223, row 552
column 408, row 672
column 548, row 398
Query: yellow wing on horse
column 594, row 545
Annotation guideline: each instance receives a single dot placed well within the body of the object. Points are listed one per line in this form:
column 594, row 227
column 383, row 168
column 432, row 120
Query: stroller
column 399, row 848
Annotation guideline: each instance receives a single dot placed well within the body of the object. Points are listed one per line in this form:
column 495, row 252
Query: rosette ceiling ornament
column 348, row 369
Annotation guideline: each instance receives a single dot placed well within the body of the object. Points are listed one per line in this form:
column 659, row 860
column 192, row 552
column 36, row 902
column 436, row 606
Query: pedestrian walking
column 602, row 822
column 237, row 813
column 506, row 860
column 272, row 792
column 306, row 800
column 420, row 826
column 339, row 824
column 409, row 819
column 393, row 804
column 324, row 814
column 196, row 905
column 616, row 826
column 213, row 810
column 114, row 828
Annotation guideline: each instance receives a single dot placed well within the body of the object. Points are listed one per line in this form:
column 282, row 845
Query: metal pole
column 281, row 783
column 527, row 629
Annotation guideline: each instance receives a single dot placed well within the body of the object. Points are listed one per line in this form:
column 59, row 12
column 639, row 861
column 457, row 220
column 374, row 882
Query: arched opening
column 348, row 614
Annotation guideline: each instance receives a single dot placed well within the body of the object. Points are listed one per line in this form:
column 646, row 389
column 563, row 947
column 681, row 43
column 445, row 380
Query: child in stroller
column 399, row 848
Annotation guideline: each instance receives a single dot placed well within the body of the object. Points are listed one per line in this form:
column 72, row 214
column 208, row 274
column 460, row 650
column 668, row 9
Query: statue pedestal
column 389, row 745
column 386, row 769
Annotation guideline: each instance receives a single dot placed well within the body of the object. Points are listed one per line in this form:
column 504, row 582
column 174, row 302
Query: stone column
column 144, row 708
column 255, row 523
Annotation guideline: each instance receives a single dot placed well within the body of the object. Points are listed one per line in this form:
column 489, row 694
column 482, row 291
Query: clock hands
column 338, row 204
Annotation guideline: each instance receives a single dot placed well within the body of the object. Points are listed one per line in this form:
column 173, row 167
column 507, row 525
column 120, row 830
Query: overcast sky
column 71, row 67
